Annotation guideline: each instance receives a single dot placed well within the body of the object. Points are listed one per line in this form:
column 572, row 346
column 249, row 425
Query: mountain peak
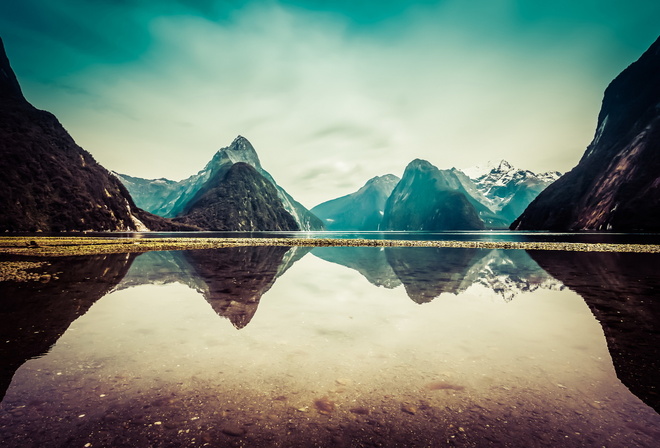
column 504, row 166
column 241, row 143
column 9, row 86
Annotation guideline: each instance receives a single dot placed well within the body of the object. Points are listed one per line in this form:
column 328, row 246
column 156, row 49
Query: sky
column 330, row 93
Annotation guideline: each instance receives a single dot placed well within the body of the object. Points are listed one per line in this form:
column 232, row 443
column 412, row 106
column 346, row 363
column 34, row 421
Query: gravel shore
column 67, row 246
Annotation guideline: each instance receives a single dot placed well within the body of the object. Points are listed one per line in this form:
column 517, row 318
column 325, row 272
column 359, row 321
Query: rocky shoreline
column 68, row 246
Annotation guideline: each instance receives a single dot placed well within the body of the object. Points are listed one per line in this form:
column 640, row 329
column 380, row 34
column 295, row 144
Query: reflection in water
column 237, row 277
column 427, row 272
column 333, row 361
column 621, row 289
column 371, row 262
column 231, row 279
column 34, row 315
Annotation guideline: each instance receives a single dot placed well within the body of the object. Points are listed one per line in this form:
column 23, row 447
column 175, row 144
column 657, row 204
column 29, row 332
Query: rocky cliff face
column 616, row 184
column 362, row 210
column 172, row 199
column 240, row 199
column 48, row 182
column 430, row 199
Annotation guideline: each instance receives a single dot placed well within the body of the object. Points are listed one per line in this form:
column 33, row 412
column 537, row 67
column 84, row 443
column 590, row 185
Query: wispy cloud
column 328, row 99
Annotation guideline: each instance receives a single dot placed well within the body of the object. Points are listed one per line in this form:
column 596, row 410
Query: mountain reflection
column 237, row 277
column 232, row 280
column 371, row 262
column 35, row 314
column 427, row 272
column 621, row 289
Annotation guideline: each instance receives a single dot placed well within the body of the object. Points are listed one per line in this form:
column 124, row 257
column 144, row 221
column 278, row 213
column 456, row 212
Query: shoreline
column 72, row 246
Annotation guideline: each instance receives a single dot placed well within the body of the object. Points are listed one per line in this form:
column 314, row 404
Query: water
column 340, row 346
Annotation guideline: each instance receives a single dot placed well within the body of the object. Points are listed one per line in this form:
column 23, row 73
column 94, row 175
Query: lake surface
column 333, row 346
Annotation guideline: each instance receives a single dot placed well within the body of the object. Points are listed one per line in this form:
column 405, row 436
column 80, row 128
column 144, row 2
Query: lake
column 334, row 346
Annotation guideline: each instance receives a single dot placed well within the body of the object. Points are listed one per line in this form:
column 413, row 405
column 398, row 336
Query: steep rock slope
column 361, row 210
column 48, row 182
column 240, row 199
column 171, row 199
column 430, row 199
column 616, row 184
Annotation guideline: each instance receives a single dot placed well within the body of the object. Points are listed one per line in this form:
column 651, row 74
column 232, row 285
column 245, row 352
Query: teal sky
column 331, row 93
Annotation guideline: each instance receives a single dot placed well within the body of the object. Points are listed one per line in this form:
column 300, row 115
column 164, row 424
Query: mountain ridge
column 49, row 183
column 615, row 184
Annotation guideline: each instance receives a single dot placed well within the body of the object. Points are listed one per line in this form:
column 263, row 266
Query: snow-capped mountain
column 507, row 190
column 361, row 210
column 171, row 199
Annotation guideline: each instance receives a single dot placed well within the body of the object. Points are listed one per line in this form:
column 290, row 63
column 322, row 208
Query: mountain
column 508, row 190
column 172, row 199
column 499, row 193
column 48, row 182
column 362, row 210
column 615, row 186
column 430, row 199
column 240, row 199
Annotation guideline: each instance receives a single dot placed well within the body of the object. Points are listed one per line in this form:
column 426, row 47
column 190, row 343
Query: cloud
column 329, row 104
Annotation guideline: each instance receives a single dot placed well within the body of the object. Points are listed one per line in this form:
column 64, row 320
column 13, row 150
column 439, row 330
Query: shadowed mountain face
column 48, row 182
column 239, row 199
column 35, row 314
column 430, row 199
column 615, row 185
column 362, row 210
column 621, row 289
column 174, row 199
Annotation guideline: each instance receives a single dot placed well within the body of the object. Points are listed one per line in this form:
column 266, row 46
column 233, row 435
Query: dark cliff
column 616, row 184
column 240, row 199
column 48, row 182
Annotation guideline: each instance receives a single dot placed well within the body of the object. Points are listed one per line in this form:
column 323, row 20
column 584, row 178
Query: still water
column 341, row 346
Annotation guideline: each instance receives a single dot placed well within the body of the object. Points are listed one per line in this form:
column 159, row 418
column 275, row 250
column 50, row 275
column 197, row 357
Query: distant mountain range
column 427, row 198
column 362, row 210
column 616, row 184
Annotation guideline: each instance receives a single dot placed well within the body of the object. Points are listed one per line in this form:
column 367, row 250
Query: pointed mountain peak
column 504, row 166
column 241, row 143
column 385, row 178
column 9, row 86
column 419, row 164
column 240, row 150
